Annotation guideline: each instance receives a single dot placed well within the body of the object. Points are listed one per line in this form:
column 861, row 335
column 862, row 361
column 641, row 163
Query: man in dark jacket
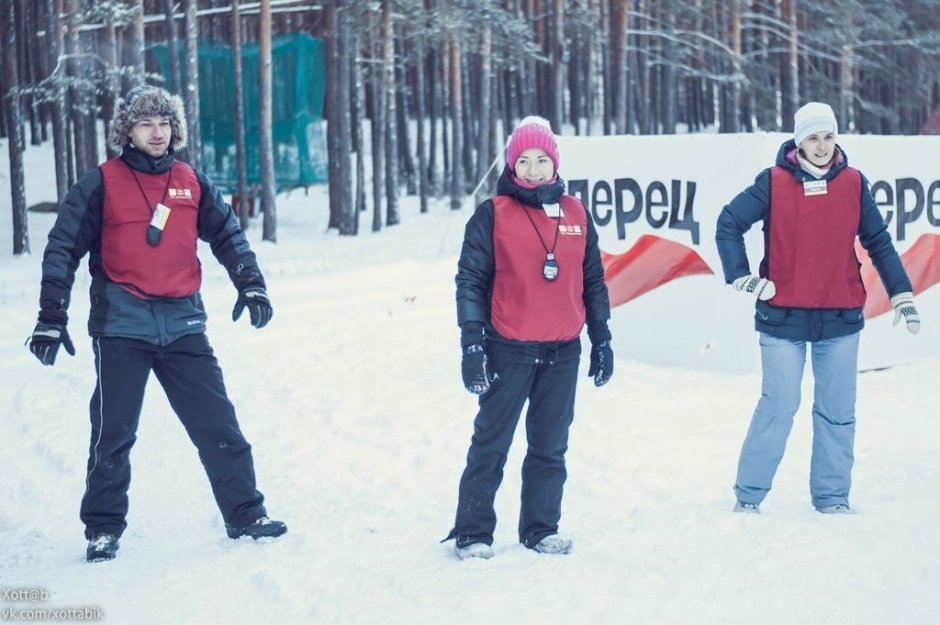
column 138, row 216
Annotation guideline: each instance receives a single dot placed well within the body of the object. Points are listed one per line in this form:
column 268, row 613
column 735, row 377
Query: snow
column 352, row 400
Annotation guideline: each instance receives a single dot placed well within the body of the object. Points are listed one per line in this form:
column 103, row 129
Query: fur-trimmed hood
column 141, row 103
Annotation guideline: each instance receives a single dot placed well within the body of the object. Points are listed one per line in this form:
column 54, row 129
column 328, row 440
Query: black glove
column 255, row 298
column 602, row 363
column 475, row 370
column 46, row 339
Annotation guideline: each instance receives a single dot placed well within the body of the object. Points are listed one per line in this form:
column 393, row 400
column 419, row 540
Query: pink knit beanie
column 532, row 132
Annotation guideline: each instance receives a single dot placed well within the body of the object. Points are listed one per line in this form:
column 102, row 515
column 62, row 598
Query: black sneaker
column 102, row 547
column 262, row 528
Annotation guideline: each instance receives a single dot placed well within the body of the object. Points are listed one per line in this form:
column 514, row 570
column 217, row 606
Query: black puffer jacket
column 114, row 311
column 476, row 267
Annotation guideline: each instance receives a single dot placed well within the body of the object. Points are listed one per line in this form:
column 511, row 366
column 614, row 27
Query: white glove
column 904, row 309
column 763, row 288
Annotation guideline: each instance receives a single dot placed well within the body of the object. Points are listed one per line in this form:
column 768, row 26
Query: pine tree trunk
column 446, row 128
column 29, row 71
column 241, row 164
column 420, row 113
column 456, row 119
column 558, row 66
column 42, row 68
column 78, row 115
column 791, row 99
column 391, row 147
column 349, row 216
column 468, row 125
column 333, row 113
column 484, row 153
column 404, row 115
column 590, row 85
column 435, row 178
column 172, row 47
column 114, row 84
column 669, row 86
column 191, row 95
column 620, row 19
column 377, row 127
column 359, row 104
column 638, row 87
column 265, row 141
column 14, row 116
column 59, row 121
column 137, row 48
column 608, row 77
column 735, row 112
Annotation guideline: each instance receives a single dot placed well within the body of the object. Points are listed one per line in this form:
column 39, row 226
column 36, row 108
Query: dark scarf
column 545, row 194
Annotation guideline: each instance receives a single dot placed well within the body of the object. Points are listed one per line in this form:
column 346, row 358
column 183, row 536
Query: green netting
column 298, row 84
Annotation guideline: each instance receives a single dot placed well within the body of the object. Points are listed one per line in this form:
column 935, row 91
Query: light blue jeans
column 834, row 369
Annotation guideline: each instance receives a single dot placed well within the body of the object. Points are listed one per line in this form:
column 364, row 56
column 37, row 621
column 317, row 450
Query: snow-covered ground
column 353, row 403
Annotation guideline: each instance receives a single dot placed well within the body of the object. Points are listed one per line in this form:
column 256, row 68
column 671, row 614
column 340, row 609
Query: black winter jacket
column 114, row 311
column 476, row 269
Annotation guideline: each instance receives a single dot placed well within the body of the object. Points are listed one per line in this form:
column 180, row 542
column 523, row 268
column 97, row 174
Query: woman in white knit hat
column 808, row 290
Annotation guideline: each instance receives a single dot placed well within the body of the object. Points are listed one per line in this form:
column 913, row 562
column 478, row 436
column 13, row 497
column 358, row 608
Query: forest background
column 421, row 93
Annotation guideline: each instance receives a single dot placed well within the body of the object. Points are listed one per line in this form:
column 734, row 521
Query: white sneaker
column 839, row 508
column 554, row 544
column 746, row 508
column 475, row 550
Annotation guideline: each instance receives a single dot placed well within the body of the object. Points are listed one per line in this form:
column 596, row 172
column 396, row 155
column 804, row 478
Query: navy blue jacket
column 805, row 324
column 114, row 311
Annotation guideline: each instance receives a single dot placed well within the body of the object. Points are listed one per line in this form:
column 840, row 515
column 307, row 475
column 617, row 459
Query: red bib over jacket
column 525, row 306
column 811, row 242
column 170, row 269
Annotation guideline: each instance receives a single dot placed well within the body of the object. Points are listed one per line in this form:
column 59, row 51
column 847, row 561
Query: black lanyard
column 150, row 207
column 550, row 268
column 154, row 230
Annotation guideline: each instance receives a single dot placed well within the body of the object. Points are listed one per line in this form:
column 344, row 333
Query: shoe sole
column 100, row 556
column 101, row 559
column 243, row 533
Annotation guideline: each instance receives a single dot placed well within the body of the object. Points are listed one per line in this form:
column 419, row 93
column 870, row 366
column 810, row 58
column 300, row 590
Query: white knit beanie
column 811, row 118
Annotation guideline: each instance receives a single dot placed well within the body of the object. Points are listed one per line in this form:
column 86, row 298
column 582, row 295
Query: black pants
column 546, row 376
column 191, row 377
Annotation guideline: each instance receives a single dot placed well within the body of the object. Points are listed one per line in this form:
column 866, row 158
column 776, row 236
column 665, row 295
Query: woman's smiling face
column 819, row 147
column 534, row 166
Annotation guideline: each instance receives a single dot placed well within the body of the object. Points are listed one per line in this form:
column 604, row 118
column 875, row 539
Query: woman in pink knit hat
column 528, row 280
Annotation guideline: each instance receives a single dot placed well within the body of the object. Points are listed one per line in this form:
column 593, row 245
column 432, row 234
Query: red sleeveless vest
column 526, row 306
column 170, row 269
column 811, row 243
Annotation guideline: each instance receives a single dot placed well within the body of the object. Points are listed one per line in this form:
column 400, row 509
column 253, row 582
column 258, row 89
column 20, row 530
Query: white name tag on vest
column 160, row 214
column 814, row 187
column 553, row 210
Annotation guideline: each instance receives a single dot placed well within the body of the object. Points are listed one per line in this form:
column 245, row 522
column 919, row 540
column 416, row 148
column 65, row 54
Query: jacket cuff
column 53, row 298
column 598, row 331
column 471, row 333
column 248, row 277
column 54, row 316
